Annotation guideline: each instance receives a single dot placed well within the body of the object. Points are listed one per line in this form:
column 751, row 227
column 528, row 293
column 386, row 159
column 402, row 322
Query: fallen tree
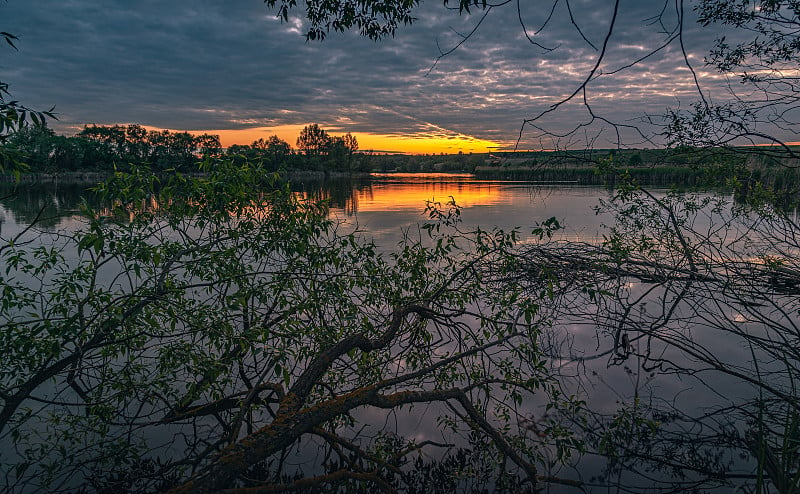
column 197, row 332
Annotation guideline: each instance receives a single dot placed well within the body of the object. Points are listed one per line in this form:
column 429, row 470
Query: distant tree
column 260, row 144
column 41, row 150
column 242, row 149
column 274, row 147
column 70, row 154
column 174, row 150
column 136, row 142
column 33, row 142
column 165, row 149
column 208, row 145
column 313, row 140
column 336, row 149
column 351, row 142
column 278, row 148
column 240, row 154
column 114, row 137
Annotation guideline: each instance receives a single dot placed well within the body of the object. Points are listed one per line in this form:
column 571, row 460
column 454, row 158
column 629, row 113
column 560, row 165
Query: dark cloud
column 203, row 64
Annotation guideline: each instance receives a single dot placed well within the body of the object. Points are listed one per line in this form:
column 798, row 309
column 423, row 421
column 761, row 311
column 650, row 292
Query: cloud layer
column 203, row 64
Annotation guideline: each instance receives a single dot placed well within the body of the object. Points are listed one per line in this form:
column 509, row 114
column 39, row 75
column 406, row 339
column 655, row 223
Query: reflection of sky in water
column 387, row 207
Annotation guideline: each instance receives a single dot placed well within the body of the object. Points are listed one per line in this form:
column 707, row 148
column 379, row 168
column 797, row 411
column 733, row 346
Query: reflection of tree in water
column 49, row 202
column 340, row 193
column 52, row 202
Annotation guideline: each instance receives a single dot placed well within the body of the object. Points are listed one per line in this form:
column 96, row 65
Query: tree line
column 99, row 148
column 105, row 148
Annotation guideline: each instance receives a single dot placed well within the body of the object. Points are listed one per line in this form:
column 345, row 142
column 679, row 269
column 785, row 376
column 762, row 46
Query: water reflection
column 405, row 191
column 47, row 204
column 379, row 203
column 400, row 191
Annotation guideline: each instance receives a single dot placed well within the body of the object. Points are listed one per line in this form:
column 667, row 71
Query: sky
column 233, row 68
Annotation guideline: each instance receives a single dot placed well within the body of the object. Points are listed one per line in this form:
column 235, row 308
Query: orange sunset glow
column 412, row 196
column 450, row 143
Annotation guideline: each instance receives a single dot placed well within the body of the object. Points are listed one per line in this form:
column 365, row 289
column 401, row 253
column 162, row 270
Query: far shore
column 94, row 177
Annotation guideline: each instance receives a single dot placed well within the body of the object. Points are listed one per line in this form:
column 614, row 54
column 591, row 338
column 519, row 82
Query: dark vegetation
column 39, row 149
column 204, row 333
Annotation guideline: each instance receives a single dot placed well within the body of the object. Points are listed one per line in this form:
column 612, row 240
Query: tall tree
column 136, row 143
column 351, row 143
column 313, row 140
column 274, row 146
column 278, row 149
column 208, row 145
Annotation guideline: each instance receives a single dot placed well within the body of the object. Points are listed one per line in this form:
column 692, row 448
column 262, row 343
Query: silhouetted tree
column 208, row 145
column 313, row 140
column 274, row 149
column 351, row 142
